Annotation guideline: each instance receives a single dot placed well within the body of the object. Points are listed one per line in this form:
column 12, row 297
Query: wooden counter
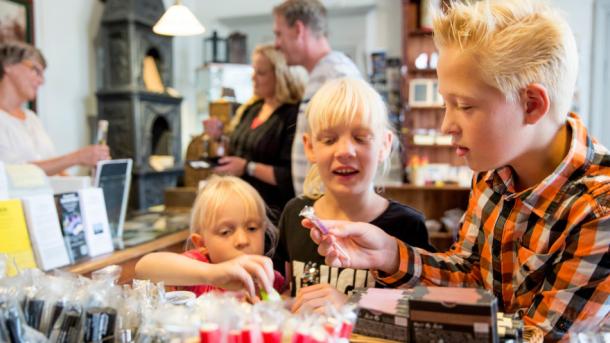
column 128, row 257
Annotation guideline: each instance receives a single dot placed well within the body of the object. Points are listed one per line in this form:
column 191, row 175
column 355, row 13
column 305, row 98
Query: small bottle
column 205, row 146
column 426, row 13
column 223, row 145
column 102, row 132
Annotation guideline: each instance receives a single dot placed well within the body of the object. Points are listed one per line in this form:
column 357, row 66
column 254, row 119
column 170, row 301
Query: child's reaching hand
column 315, row 297
column 243, row 272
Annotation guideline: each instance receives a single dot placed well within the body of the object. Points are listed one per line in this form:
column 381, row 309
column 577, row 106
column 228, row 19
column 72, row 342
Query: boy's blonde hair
column 221, row 191
column 289, row 81
column 340, row 102
column 515, row 43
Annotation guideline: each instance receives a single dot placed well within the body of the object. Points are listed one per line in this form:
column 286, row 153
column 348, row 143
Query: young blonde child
column 228, row 228
column 537, row 229
column 348, row 142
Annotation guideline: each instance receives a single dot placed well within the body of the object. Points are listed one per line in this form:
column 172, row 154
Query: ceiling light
column 178, row 20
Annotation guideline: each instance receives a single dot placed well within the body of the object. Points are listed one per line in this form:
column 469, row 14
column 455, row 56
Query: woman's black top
column 269, row 143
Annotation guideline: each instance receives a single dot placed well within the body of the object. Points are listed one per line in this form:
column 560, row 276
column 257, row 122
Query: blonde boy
column 537, row 229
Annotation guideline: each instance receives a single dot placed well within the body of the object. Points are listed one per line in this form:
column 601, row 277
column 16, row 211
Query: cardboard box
column 447, row 314
column 382, row 313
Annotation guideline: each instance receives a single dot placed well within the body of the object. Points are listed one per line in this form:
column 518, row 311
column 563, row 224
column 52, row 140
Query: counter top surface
column 123, row 255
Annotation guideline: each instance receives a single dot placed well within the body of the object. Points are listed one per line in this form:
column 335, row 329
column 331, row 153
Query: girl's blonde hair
column 515, row 43
column 289, row 81
column 221, row 191
column 340, row 102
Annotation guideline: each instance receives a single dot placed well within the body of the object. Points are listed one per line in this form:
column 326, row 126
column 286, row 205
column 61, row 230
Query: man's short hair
column 311, row 13
column 516, row 43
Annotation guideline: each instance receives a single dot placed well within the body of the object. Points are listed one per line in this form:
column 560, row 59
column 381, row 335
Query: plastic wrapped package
column 100, row 307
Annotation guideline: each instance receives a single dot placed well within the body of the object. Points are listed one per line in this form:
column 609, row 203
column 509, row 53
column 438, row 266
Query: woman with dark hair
column 22, row 137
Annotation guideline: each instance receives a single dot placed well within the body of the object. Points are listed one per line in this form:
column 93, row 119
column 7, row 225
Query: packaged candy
column 67, row 308
column 67, row 328
column 180, row 298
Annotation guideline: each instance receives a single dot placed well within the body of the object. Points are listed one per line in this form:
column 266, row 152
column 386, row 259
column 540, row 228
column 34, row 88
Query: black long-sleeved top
column 270, row 143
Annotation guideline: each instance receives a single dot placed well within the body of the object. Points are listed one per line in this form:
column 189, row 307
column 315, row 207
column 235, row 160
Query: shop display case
column 215, row 81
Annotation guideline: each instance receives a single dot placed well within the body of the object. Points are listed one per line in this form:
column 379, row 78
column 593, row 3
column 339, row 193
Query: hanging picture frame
column 16, row 20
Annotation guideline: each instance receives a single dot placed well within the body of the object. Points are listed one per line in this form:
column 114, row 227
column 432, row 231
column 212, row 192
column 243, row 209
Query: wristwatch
column 250, row 167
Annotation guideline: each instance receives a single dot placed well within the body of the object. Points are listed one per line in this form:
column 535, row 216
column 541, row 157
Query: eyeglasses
column 35, row 67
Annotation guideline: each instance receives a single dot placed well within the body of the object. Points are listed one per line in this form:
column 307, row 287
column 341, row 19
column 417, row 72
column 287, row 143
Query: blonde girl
column 228, row 229
column 348, row 142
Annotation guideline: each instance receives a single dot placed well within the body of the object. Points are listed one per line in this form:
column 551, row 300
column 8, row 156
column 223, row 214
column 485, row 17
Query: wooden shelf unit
column 420, row 33
column 415, row 41
column 432, row 201
column 431, row 72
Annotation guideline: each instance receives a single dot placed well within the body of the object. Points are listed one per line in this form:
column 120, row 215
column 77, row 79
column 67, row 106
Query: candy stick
column 271, row 334
column 209, row 333
column 309, row 213
column 271, row 296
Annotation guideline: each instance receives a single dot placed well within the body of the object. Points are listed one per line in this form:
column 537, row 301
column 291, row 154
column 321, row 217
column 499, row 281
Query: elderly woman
column 22, row 137
column 260, row 143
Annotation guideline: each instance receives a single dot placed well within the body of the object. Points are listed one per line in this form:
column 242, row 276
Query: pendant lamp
column 178, row 20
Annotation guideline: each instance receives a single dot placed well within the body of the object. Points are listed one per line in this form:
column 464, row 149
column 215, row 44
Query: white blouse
column 23, row 141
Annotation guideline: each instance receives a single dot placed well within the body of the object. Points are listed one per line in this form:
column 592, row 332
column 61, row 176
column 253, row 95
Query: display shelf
column 414, row 70
column 432, row 201
column 444, row 188
column 420, row 33
column 423, row 114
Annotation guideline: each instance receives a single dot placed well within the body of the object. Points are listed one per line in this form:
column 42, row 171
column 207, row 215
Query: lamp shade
column 178, row 21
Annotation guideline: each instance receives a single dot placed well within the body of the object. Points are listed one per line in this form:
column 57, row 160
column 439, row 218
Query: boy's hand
column 368, row 246
column 243, row 272
column 315, row 298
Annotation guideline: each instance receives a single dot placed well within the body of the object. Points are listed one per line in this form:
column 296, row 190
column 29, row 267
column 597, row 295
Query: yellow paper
column 14, row 237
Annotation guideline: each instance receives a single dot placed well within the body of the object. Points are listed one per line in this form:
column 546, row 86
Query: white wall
column 65, row 29
column 363, row 25
column 580, row 17
column 600, row 83
column 356, row 27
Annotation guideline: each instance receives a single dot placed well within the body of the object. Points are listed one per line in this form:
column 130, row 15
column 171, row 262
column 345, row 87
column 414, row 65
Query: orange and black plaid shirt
column 544, row 250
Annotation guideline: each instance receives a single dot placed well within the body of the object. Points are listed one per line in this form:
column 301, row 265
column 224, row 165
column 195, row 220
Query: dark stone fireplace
column 142, row 122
